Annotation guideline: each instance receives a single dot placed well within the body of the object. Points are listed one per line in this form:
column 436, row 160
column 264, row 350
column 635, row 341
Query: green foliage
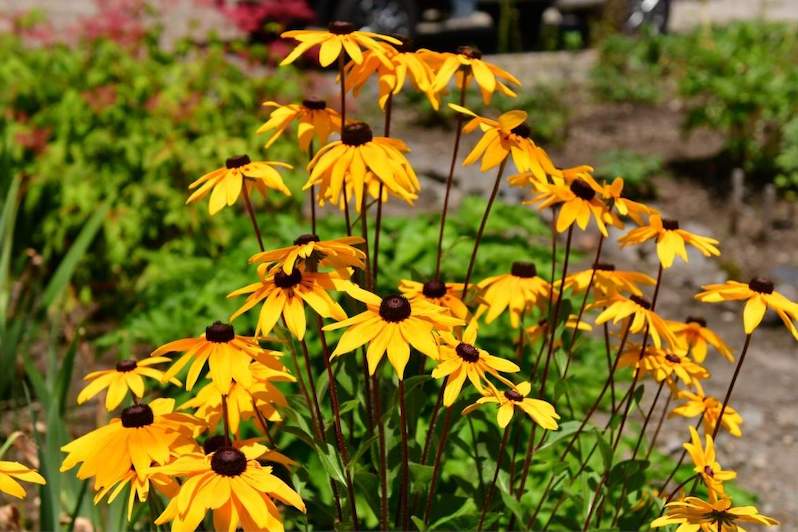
column 787, row 160
column 635, row 168
column 630, row 69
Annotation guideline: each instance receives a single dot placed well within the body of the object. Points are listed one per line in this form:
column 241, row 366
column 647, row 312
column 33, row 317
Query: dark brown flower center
column 126, row 365
column 305, row 239
column 340, row 27
column 467, row 352
column 514, row 396
column 640, row 301
column 434, row 289
column 604, row 267
column 700, row 321
column 287, row 280
column 708, row 471
column 761, row 285
column 673, row 358
column 137, row 416
column 522, row 130
column 670, row 225
column 214, row 443
column 228, row 462
column 582, row 190
column 219, row 332
column 395, row 308
column 314, row 104
column 471, row 52
column 525, row 270
column 356, row 134
column 237, row 161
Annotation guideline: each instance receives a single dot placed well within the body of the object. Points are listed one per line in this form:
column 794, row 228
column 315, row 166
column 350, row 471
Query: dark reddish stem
column 251, row 212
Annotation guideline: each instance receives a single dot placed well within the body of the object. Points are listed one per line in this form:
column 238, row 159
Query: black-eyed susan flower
column 127, row 375
column 671, row 240
column 579, row 201
column 635, row 210
column 234, row 485
column 339, row 36
column 638, row 310
column 10, row 472
column 314, row 121
column 714, row 515
column 519, row 290
column 225, row 183
column 697, row 403
column 139, row 488
column 461, row 358
column 468, row 62
column 662, row 364
column 392, row 324
column 759, row 296
column 505, row 136
column 540, row 330
column 144, row 434
column 338, row 253
column 698, row 337
column 358, row 158
column 541, row 412
column 442, row 294
column 228, row 356
column 285, row 294
column 705, row 464
column 607, row 280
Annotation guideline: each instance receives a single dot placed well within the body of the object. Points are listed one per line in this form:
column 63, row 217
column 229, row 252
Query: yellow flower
column 14, row 470
column 438, row 293
column 541, row 412
column 127, row 375
column 468, row 61
column 461, row 358
column 360, row 158
column 671, row 240
column 228, row 356
column 696, row 403
column 285, row 294
column 716, row 515
column 340, row 36
column 625, row 207
column 638, row 310
column 518, row 290
column 143, row 434
column 238, row 171
column 695, row 333
column 759, row 296
column 338, row 253
column 541, row 329
column 577, row 201
column 662, row 364
column 139, row 488
column 392, row 324
column 401, row 64
column 607, row 280
column 315, row 121
column 705, row 464
column 231, row 482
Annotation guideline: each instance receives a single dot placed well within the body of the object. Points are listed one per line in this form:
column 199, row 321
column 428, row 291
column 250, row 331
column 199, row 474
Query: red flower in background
column 251, row 16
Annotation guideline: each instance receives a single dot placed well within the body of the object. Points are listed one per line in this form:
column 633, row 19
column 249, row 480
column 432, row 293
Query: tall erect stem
column 312, row 194
column 251, row 212
column 404, row 511
column 492, row 487
column 383, row 461
column 447, row 424
column 731, row 386
column 378, row 220
column 342, row 79
column 365, row 233
column 481, row 230
column 450, row 178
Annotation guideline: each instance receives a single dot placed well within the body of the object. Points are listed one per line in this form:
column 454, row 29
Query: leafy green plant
column 635, row 168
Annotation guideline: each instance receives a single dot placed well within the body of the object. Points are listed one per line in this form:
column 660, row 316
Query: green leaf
column 331, row 462
column 420, row 475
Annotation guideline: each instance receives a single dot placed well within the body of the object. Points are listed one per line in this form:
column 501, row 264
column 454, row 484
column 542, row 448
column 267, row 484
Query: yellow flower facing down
column 360, row 158
column 228, row 356
column 338, row 254
column 468, row 61
column 461, row 359
column 11, row 472
column 716, row 515
column 670, row 240
column 144, row 434
column 314, row 121
column 706, row 466
column 541, row 412
column 225, row 183
column 339, row 37
column 446, row 295
column 234, row 485
column 607, row 281
column 540, row 330
column 635, row 210
column 392, row 324
column 127, row 375
column 661, row 364
column 519, row 290
column 759, row 296
column 696, row 404
column 285, row 295
column 698, row 337
column 139, row 488
column 638, row 310
column 579, row 202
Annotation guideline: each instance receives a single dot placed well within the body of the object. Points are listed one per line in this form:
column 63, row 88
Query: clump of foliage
column 637, row 170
